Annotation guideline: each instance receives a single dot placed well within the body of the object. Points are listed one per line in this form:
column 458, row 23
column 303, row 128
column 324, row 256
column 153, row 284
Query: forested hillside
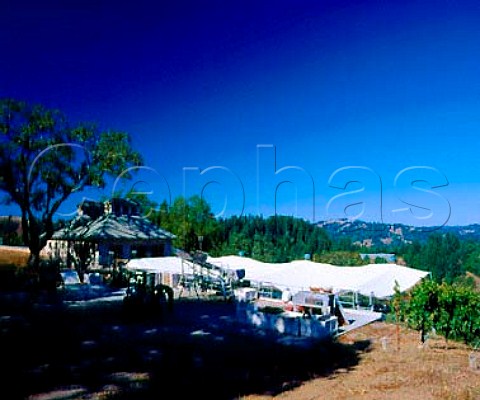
column 381, row 234
column 272, row 239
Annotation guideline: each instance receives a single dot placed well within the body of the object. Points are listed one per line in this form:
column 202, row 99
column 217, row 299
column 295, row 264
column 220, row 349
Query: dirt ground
column 396, row 366
column 94, row 350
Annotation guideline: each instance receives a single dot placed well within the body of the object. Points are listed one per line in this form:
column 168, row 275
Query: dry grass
column 17, row 256
column 476, row 279
column 412, row 371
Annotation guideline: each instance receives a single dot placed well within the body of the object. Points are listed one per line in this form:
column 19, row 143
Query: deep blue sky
column 385, row 87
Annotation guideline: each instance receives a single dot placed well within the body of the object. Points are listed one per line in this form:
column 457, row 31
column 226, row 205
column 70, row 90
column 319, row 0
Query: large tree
column 191, row 220
column 44, row 159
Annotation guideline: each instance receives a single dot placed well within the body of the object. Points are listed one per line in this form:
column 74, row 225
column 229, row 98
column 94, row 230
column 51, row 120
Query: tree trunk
column 422, row 334
column 46, row 275
column 34, row 260
column 35, row 248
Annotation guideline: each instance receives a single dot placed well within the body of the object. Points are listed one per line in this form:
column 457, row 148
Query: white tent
column 171, row 264
column 376, row 279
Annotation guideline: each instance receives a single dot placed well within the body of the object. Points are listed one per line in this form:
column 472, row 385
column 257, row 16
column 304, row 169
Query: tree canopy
column 272, row 239
column 442, row 255
column 191, row 220
column 44, row 158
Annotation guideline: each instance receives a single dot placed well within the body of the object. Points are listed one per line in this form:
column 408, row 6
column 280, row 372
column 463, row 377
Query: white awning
column 378, row 279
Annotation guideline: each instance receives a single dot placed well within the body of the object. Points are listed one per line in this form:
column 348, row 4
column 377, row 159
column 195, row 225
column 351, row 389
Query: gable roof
column 112, row 228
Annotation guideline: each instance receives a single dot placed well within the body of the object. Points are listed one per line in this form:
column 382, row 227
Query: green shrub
column 453, row 310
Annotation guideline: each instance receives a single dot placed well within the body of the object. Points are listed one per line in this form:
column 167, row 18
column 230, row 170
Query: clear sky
column 365, row 107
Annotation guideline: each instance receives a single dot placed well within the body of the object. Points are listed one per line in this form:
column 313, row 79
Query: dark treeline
column 272, row 239
column 444, row 255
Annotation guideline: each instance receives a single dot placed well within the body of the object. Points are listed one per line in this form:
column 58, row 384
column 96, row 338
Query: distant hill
column 378, row 234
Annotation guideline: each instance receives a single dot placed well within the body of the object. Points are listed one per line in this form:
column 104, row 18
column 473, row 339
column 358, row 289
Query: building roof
column 112, row 228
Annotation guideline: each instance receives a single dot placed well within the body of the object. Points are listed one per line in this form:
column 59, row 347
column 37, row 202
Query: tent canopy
column 376, row 279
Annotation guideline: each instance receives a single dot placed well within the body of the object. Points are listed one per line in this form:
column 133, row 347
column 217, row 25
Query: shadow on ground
column 95, row 351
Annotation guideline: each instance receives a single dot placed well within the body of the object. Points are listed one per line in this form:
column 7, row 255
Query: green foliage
column 441, row 255
column 191, row 220
column 44, row 159
column 344, row 258
column 421, row 313
column 274, row 239
column 452, row 310
column 471, row 256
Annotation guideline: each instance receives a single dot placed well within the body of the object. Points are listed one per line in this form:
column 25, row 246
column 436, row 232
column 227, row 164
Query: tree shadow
column 198, row 351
